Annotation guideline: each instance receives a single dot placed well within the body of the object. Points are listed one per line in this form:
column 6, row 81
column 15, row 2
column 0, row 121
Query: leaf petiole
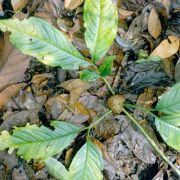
column 152, row 142
column 108, row 85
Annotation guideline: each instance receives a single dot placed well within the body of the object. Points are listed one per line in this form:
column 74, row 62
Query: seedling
column 39, row 39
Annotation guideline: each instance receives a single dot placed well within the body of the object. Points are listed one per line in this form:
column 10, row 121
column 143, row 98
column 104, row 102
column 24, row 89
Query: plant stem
column 100, row 119
column 109, row 86
column 96, row 122
column 152, row 142
column 138, row 107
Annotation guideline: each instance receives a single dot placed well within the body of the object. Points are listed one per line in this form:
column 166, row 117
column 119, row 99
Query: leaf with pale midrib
column 38, row 38
column 101, row 22
column 170, row 101
column 87, row 163
column 35, row 142
column 169, row 132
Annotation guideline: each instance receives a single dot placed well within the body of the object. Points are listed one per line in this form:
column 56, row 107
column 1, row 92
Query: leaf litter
column 52, row 93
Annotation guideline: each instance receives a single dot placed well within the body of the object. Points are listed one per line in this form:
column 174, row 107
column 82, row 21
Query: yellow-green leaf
column 87, row 163
column 36, row 37
column 101, row 21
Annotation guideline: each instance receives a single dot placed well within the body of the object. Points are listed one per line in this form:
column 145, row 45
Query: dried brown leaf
column 20, row 119
column 167, row 47
column 72, row 4
column 8, row 93
column 154, row 24
column 13, row 64
column 76, row 87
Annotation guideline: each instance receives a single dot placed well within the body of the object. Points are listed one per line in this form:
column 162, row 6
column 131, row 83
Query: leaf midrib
column 99, row 25
column 37, row 37
column 41, row 141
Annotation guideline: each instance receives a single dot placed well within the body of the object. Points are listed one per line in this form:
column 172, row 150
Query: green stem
column 97, row 121
column 152, row 142
column 138, row 107
column 108, row 85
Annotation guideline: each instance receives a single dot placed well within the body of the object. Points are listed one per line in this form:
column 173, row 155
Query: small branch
column 138, row 107
column 109, row 86
column 152, row 142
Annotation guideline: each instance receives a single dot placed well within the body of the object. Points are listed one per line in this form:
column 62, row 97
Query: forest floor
column 31, row 92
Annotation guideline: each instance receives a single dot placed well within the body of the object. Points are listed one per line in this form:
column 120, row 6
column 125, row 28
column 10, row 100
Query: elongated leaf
column 101, row 21
column 87, row 163
column 57, row 169
column 38, row 38
column 105, row 68
column 169, row 132
column 89, row 75
column 35, row 142
column 170, row 101
column 172, row 119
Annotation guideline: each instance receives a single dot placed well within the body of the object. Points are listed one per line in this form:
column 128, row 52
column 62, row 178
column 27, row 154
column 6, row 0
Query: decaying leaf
column 76, row 87
column 48, row 10
column 115, row 103
column 20, row 119
column 167, row 47
column 9, row 92
column 14, row 64
column 72, row 4
column 154, row 24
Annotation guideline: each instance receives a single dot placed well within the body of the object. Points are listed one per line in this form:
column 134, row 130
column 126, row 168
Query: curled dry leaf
column 76, row 87
column 154, row 24
column 13, row 64
column 167, row 47
column 123, row 13
column 115, row 103
column 9, row 92
column 72, row 4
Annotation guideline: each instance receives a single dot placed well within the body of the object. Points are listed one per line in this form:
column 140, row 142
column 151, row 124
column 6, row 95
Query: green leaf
column 170, row 101
column 105, row 68
column 87, row 163
column 35, row 142
column 172, row 119
column 89, row 75
column 56, row 169
column 38, row 38
column 169, row 132
column 101, row 20
column 5, row 140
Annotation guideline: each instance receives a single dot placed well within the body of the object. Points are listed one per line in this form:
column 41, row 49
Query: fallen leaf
column 136, row 142
column 55, row 106
column 154, row 24
column 19, row 119
column 76, row 87
column 8, row 93
column 19, row 174
column 18, row 4
column 68, row 157
column 48, row 10
column 123, row 13
column 106, row 157
column 14, row 64
column 107, row 128
column 167, row 47
column 72, row 4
